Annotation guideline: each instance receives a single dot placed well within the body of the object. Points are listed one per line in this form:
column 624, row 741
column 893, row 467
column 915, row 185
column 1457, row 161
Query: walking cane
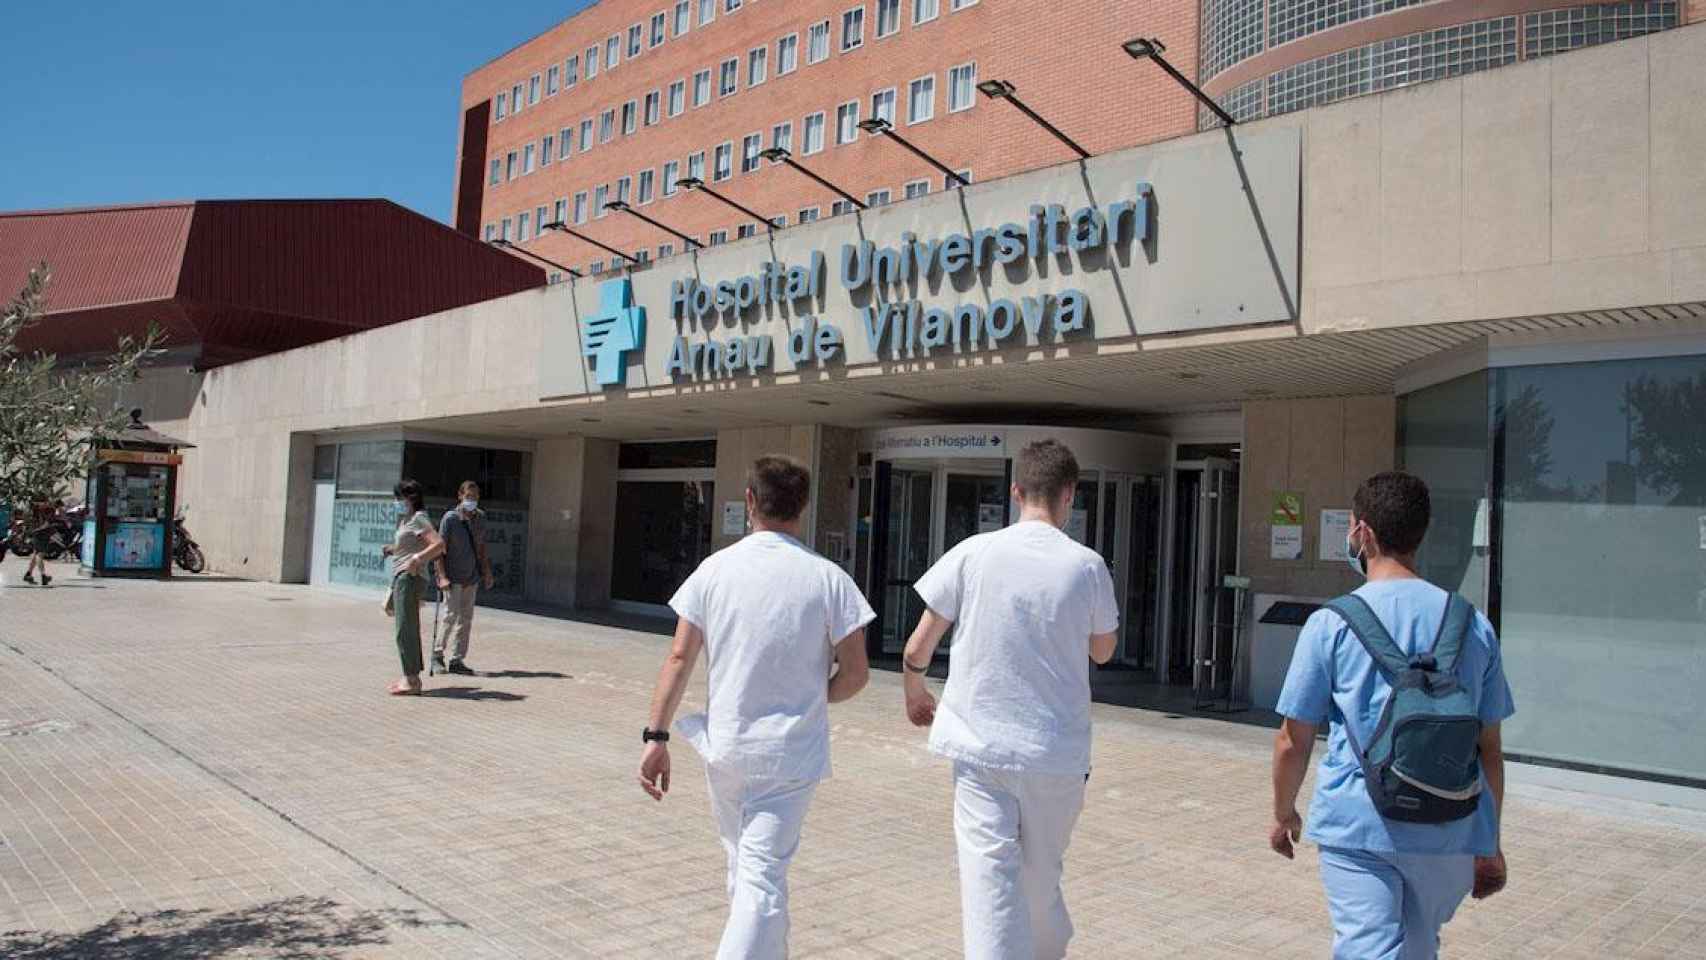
column 438, row 604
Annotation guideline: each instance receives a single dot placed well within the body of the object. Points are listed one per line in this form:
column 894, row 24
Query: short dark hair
column 780, row 486
column 1044, row 469
column 411, row 491
column 1396, row 506
column 463, row 488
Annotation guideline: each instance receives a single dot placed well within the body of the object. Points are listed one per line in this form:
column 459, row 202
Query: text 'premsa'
column 904, row 328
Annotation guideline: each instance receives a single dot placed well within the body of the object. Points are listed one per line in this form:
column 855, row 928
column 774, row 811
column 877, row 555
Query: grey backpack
column 1423, row 763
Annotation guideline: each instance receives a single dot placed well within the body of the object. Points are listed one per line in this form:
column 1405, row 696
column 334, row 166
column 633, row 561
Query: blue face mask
column 402, row 507
column 1358, row 562
column 470, row 505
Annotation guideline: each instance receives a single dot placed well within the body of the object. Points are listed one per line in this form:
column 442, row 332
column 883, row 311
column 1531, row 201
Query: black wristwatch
column 648, row 735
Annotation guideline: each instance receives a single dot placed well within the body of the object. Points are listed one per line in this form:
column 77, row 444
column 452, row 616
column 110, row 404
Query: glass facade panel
column 1442, row 438
column 1231, row 32
column 1555, row 31
column 663, row 531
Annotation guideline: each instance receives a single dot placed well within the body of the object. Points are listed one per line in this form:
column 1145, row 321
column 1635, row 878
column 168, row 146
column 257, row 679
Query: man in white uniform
column 1030, row 608
column 773, row 618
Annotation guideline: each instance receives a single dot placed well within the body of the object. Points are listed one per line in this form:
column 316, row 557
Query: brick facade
column 1064, row 56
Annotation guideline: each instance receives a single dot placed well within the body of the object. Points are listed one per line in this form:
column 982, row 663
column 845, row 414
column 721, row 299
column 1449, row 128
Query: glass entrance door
column 1216, row 559
column 908, row 552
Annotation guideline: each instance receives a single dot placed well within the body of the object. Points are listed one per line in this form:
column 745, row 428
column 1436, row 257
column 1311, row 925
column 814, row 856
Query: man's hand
column 1489, row 875
column 1287, row 830
column 412, row 565
column 443, row 582
column 654, row 770
column 487, row 581
column 920, row 705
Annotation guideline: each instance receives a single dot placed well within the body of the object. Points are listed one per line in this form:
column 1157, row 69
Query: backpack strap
column 1454, row 628
column 1371, row 633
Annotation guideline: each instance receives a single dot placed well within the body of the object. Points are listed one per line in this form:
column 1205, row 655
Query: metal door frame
column 1209, row 535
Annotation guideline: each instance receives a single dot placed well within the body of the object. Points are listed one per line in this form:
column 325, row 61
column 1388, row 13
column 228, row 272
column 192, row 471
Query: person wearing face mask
column 412, row 550
column 1410, row 682
column 464, row 568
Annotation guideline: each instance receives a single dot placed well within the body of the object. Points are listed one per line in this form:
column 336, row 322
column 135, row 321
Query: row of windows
column 920, row 108
column 530, row 224
column 1438, row 54
column 651, row 34
column 1236, row 30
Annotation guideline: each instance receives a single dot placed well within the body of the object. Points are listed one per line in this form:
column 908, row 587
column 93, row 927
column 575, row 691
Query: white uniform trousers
column 1012, row 829
column 759, row 821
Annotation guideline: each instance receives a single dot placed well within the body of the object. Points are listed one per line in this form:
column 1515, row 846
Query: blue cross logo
column 615, row 329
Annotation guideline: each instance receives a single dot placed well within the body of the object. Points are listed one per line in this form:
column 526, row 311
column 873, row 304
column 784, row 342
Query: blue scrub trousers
column 1391, row 906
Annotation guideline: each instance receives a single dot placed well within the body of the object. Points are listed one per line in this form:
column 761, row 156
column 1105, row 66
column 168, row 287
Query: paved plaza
column 211, row 768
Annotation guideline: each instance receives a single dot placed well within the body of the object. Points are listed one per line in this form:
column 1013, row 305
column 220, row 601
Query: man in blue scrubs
column 1390, row 885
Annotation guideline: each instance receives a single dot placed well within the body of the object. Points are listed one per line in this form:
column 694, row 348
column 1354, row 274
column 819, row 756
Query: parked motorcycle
column 185, row 552
column 18, row 535
column 65, row 536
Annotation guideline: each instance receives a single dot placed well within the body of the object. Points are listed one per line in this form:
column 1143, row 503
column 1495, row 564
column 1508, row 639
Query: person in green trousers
column 413, row 549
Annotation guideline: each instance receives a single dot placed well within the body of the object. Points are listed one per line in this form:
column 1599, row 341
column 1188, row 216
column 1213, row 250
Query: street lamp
column 562, row 227
column 1002, row 90
column 621, row 206
column 694, row 183
column 781, row 155
column 512, row 248
column 1151, row 49
column 877, row 125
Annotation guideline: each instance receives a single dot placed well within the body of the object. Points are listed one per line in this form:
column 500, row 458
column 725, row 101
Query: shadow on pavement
column 526, row 675
column 472, row 693
column 296, row 927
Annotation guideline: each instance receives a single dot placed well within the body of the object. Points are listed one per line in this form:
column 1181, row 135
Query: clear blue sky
column 121, row 101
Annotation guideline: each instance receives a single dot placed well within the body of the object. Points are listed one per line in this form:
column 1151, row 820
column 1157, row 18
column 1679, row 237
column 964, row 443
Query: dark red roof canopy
column 233, row 279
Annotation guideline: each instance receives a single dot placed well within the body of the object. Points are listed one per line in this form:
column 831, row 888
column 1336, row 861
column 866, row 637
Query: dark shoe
column 46, row 580
column 438, row 664
column 461, row 669
column 30, row 577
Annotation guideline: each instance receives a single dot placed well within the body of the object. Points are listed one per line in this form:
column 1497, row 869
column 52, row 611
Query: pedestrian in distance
column 462, row 571
column 1409, row 680
column 783, row 630
column 414, row 547
column 1030, row 608
column 44, row 513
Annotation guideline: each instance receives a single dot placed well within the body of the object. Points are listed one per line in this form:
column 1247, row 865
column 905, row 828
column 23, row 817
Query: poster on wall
column 360, row 529
column 136, row 546
column 734, row 518
column 1335, row 525
column 1285, row 538
column 506, row 548
column 988, row 517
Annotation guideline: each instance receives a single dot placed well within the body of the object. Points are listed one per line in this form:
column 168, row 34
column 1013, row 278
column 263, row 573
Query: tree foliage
column 51, row 416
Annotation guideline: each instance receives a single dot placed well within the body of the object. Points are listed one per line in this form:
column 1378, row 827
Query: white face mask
column 470, row 504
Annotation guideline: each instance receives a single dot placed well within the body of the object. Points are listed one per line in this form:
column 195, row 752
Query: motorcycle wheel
column 190, row 558
column 20, row 546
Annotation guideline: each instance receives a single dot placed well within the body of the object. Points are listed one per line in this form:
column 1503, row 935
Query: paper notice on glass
column 1285, row 542
column 1482, row 537
column 1335, row 524
column 988, row 517
column 734, row 518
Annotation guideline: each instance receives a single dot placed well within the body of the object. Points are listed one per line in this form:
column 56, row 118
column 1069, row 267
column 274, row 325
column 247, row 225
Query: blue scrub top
column 1333, row 679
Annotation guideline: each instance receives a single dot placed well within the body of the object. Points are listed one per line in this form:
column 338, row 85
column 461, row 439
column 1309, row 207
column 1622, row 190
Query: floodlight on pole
column 512, row 248
column 877, row 125
column 694, row 183
column 562, row 227
column 621, row 206
column 1145, row 48
column 782, row 155
column 1002, row 90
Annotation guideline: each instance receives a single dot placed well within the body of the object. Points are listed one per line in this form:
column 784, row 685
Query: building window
column 497, row 172
column 560, row 211
column 636, row 40
column 917, row 188
column 648, row 181
column 840, row 207
column 1242, row 102
column 719, row 237
column 749, row 148
column 503, row 106
column 600, row 196
column 683, row 17
column 596, row 267
column 730, row 6
column 728, row 78
column 505, row 235
column 612, row 52
column 882, row 105
column 924, row 11
column 527, row 160
column 779, row 221
column 565, row 139
column 586, row 135
column 782, row 135
column 677, row 97
column 580, row 207
column 948, row 182
column 745, row 230
column 1555, row 31
column 757, row 65
column 630, row 118
column 701, row 88
column 555, row 278
column 539, row 220
column 671, row 176
column 666, row 250
column 921, row 100
column 547, row 149
column 571, row 71
column 623, row 184
column 817, row 43
column 876, row 198
column 491, row 232
column 512, row 166
column 807, row 215
column 515, row 98
column 533, row 87
column 642, row 255
column 606, row 126
column 853, row 29
column 1232, row 30
column 551, row 75
column 888, row 18
column 696, row 166
column 660, row 28
column 847, row 122
column 707, row 11
column 812, row 140
column 654, row 108
column 960, row 4
column 962, row 87
column 723, row 161
column 592, row 61
column 522, row 222
column 787, row 54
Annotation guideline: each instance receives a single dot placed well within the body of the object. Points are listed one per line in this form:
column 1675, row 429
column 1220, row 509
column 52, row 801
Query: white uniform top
column 1024, row 601
column 771, row 611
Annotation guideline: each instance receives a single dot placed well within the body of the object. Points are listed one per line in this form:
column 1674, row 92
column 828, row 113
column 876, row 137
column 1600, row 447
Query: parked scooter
column 185, row 552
